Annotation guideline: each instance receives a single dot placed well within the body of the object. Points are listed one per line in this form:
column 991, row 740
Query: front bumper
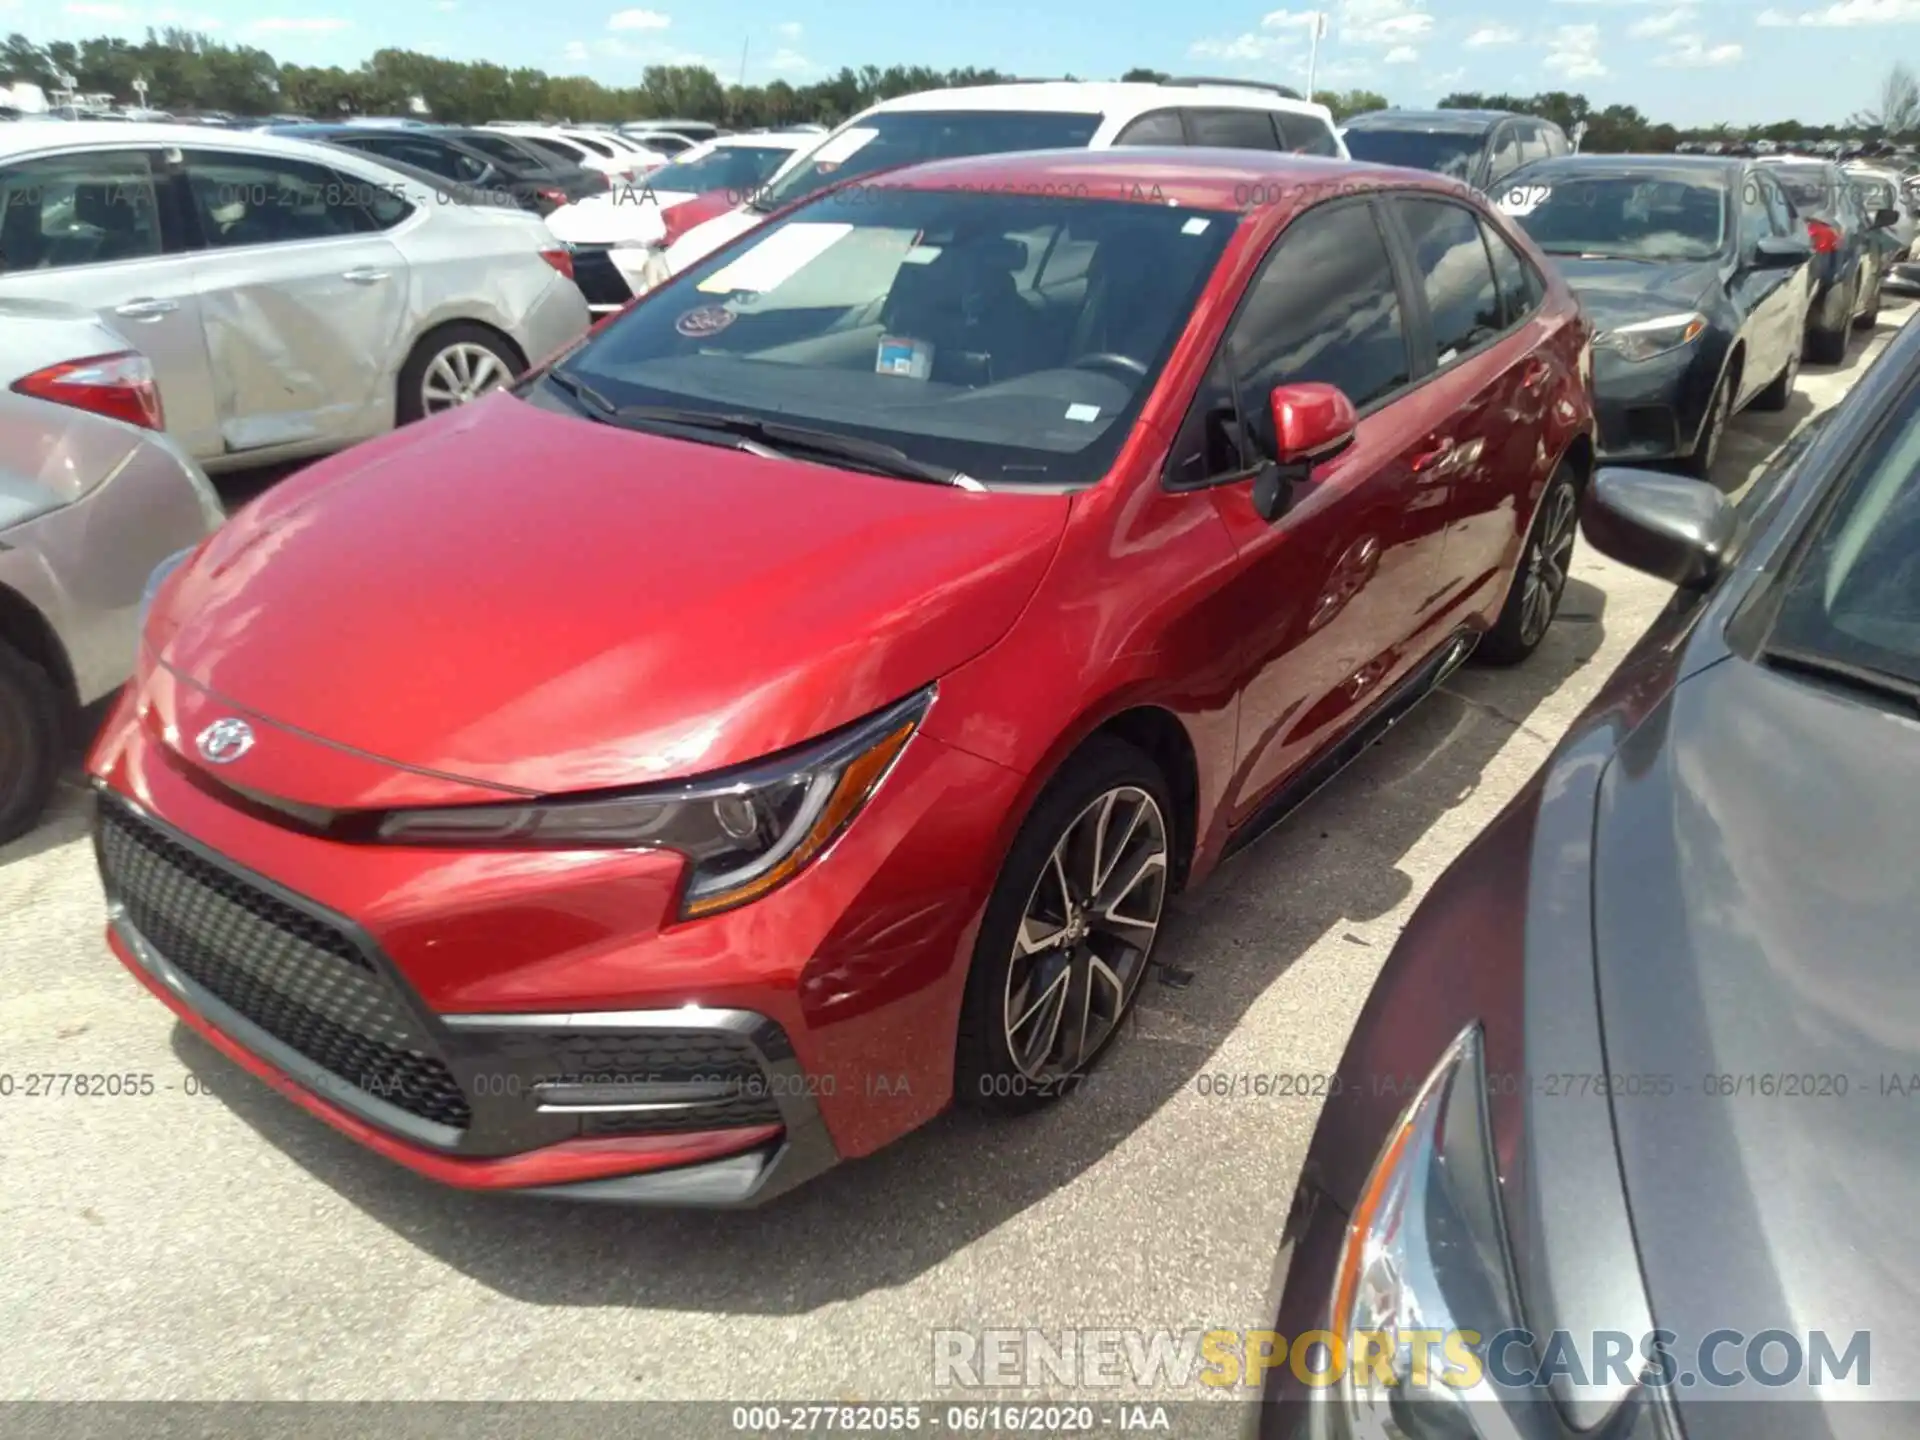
column 1652, row 410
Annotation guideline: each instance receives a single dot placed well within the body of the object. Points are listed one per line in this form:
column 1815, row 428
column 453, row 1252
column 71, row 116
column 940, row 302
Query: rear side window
column 1533, row 142
column 1520, row 285
column 68, row 210
column 1326, row 308
column 1556, row 139
column 1462, row 297
column 272, row 200
column 1306, row 134
column 1233, row 129
column 1162, row 127
column 1506, row 154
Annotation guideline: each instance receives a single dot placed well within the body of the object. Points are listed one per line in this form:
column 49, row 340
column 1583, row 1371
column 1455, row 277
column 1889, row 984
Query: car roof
column 1690, row 167
column 1111, row 99
column 752, row 140
column 66, row 134
column 1465, row 120
column 1204, row 179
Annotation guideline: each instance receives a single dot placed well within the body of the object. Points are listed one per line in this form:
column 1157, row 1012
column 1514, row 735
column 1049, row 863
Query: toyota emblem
column 225, row 741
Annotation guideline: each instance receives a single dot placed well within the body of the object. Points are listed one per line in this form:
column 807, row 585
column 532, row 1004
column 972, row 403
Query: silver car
column 293, row 298
column 93, row 497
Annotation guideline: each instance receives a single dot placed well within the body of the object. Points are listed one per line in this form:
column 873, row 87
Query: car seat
column 966, row 303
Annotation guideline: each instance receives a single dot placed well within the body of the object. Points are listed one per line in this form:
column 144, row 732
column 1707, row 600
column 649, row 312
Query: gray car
column 1634, row 1097
column 293, row 298
column 93, row 496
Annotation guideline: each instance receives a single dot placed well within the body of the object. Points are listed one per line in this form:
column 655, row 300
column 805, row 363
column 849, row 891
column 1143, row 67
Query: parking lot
column 209, row 1241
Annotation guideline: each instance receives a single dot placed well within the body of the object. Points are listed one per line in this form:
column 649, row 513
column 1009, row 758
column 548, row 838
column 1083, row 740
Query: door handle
column 365, row 275
column 146, row 309
column 1429, row 460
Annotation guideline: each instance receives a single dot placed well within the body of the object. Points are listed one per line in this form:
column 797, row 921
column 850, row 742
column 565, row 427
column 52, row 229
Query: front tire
column 1719, row 415
column 1068, row 933
column 453, row 365
column 32, row 743
column 1541, row 581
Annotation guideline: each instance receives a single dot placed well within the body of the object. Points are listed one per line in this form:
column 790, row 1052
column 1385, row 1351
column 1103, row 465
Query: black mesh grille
column 296, row 977
column 598, row 277
column 668, row 1056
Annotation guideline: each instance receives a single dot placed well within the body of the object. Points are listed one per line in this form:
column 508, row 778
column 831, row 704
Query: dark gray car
column 1639, row 1081
column 1479, row 147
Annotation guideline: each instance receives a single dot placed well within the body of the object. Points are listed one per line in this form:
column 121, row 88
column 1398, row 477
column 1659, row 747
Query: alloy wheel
column 1549, row 561
column 1083, row 940
column 458, row 374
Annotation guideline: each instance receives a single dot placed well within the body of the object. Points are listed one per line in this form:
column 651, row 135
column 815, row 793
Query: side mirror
column 1885, row 218
column 1781, row 252
column 1311, row 424
column 1666, row 526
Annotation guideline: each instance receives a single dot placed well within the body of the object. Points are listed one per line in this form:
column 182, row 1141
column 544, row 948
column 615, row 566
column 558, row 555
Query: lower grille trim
column 334, row 1089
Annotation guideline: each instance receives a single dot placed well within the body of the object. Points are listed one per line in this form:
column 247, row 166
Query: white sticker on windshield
column 776, row 259
column 842, row 146
column 1085, row 414
column 1525, row 199
column 921, row 255
column 1195, row 226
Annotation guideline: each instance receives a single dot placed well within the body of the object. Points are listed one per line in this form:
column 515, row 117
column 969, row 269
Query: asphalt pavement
column 210, row 1241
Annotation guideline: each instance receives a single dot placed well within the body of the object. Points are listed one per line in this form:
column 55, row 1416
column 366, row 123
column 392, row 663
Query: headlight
column 1647, row 338
column 158, row 578
column 743, row 833
column 1423, row 1265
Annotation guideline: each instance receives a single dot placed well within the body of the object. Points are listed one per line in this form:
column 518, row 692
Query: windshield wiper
column 800, row 440
column 1883, row 683
column 597, row 405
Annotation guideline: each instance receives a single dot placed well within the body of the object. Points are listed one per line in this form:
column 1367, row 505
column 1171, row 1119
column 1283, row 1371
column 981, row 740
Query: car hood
column 1619, row 292
column 705, row 238
column 535, row 601
column 1754, row 912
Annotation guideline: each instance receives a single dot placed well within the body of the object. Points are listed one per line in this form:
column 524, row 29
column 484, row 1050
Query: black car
column 469, row 175
column 515, row 152
column 1639, row 1075
column 1697, row 279
column 1848, row 268
column 1479, row 147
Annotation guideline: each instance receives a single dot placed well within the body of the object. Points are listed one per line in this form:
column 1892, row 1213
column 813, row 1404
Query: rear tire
column 1540, row 582
column 1827, row 341
column 1068, row 934
column 32, row 743
column 1870, row 317
column 452, row 365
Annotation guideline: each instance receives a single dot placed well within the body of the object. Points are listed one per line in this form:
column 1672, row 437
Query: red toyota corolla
column 788, row 713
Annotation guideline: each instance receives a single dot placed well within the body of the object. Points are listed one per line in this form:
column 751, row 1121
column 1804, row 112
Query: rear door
column 1484, row 448
column 97, row 228
column 1328, row 596
column 303, row 298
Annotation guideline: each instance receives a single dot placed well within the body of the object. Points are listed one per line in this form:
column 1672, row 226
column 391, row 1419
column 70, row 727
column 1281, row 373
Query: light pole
column 1319, row 22
column 140, row 90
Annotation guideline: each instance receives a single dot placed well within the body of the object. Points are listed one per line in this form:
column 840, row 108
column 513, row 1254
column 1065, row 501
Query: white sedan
column 293, row 298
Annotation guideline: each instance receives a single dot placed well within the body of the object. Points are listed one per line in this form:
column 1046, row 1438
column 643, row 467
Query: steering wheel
column 1111, row 360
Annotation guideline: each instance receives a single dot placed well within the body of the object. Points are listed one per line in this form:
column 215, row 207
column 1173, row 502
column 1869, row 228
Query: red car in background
column 788, row 712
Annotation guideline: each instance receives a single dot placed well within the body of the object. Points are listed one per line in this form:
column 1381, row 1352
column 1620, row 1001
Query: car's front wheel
column 1069, row 931
column 1546, row 561
column 31, row 742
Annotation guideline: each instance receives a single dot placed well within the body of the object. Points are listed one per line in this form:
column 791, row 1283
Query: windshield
column 1854, row 596
column 901, row 137
column 1010, row 337
column 1626, row 217
column 740, row 170
column 1445, row 152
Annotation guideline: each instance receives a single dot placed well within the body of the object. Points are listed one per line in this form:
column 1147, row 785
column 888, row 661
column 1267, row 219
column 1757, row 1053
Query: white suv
column 1029, row 115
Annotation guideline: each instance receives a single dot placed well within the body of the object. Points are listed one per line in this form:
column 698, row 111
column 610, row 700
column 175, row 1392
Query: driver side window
column 1325, row 307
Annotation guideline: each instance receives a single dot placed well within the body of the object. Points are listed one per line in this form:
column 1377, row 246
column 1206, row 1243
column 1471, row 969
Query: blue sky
column 1697, row 62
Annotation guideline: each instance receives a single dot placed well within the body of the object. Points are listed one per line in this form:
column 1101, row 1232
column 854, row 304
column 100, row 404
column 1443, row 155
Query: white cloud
column 447, row 5
column 576, row 50
column 299, row 25
column 1287, row 19
column 1666, row 24
column 101, row 12
column 1493, row 35
column 1849, row 12
column 1451, row 78
column 789, row 62
column 790, row 30
column 1383, row 22
column 1241, row 49
column 1690, row 52
column 638, row 20
column 1573, row 52
column 1402, row 55
column 171, row 16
